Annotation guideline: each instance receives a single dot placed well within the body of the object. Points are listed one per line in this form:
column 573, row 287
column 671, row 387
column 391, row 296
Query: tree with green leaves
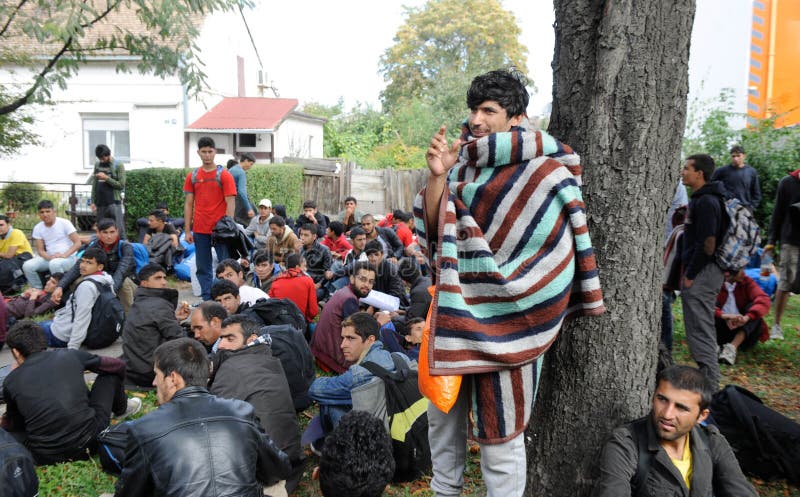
column 52, row 38
column 441, row 47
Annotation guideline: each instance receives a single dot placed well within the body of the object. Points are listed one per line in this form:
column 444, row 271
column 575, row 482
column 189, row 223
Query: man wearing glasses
column 326, row 341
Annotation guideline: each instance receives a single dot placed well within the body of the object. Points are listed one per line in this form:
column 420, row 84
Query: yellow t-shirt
column 16, row 238
column 684, row 464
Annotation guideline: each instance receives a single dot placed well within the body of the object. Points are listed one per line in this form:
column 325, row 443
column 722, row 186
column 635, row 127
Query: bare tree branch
column 19, row 102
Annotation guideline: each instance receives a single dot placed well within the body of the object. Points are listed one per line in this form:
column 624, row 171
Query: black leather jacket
column 200, row 445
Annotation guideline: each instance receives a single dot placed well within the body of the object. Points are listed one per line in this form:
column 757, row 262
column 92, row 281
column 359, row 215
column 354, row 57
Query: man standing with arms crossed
column 210, row 195
column 494, row 255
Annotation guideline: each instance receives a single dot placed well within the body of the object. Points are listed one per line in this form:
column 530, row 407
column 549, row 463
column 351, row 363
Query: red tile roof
column 250, row 113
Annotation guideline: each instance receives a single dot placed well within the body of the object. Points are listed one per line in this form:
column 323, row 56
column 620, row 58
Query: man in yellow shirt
column 14, row 251
column 669, row 452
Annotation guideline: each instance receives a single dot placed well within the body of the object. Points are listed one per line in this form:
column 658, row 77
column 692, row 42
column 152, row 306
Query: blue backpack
column 140, row 254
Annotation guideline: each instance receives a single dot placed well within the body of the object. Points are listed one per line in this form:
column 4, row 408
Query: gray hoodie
column 74, row 331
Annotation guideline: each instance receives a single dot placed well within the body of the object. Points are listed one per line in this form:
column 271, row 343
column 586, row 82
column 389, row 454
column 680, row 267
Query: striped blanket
column 512, row 253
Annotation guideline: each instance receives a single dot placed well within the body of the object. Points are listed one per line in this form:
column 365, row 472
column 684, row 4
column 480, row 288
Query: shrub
column 22, row 196
column 281, row 183
column 144, row 188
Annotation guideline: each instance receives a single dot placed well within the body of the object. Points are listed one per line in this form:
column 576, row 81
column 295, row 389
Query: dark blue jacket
column 741, row 183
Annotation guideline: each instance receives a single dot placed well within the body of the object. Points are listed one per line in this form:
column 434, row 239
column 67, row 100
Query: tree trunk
column 619, row 99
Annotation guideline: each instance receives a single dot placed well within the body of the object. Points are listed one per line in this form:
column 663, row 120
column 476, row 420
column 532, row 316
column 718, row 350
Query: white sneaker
column 776, row 332
column 728, row 354
column 134, row 405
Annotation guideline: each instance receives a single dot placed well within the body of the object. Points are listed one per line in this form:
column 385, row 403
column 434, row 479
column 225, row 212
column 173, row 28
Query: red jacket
column 299, row 288
column 340, row 246
column 747, row 293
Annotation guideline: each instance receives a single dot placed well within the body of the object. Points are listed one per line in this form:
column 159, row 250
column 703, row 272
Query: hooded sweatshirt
column 73, row 331
column 704, row 219
column 784, row 226
column 281, row 247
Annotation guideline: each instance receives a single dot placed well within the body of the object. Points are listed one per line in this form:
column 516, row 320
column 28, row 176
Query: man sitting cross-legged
column 70, row 324
column 241, row 355
column 669, row 452
column 196, row 444
column 359, row 343
column 47, row 403
column 231, row 270
column 154, row 319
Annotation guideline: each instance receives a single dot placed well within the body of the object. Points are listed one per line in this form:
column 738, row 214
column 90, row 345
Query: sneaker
column 728, row 354
column 134, row 405
column 776, row 332
column 316, row 446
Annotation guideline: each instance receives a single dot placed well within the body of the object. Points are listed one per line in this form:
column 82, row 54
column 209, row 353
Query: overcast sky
column 318, row 50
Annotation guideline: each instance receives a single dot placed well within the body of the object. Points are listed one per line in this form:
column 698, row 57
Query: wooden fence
column 378, row 191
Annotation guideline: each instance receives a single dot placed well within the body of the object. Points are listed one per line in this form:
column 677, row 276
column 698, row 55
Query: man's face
column 156, row 280
column 264, row 211
column 207, row 155
column 4, row 227
column 109, row 236
column 246, row 164
column 415, row 332
column 489, row 117
column 231, row 337
column 51, row 285
column 362, row 282
column 307, row 237
column 106, row 159
column 309, row 212
column 89, row 266
column 155, row 223
column 350, row 206
column 368, row 224
column 48, row 216
column 675, row 411
column 352, row 345
column 231, row 275
column 359, row 242
column 205, row 331
column 165, row 386
column 737, row 159
column 264, row 270
column 690, row 176
column 330, row 234
column 277, row 231
column 375, row 258
column 229, row 302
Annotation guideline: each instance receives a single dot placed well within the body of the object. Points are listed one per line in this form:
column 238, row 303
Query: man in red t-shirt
column 295, row 285
column 210, row 195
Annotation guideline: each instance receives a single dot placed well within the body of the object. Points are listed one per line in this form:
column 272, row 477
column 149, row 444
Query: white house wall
column 297, row 137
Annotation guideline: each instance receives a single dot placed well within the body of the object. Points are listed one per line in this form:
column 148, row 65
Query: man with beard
column 669, row 452
column 326, row 341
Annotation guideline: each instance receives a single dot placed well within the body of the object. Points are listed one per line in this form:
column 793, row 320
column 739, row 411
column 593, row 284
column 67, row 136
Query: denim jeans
column 52, row 340
column 205, row 273
column 32, row 267
column 667, row 298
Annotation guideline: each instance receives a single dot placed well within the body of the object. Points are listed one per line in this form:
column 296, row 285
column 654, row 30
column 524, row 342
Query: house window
column 109, row 130
column 247, row 140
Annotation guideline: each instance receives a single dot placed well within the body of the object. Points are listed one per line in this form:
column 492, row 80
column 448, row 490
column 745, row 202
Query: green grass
column 769, row 370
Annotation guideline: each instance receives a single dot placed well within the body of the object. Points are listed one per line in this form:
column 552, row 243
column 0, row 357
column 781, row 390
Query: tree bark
column 619, row 99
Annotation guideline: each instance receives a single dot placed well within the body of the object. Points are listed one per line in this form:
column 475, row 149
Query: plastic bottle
column 766, row 264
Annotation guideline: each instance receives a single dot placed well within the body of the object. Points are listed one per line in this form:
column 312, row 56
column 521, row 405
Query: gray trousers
column 503, row 466
column 698, row 315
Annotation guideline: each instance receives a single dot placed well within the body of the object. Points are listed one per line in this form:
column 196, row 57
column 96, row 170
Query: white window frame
column 110, row 123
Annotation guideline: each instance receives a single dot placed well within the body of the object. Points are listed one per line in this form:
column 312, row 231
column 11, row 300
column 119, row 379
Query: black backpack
column 291, row 348
column 766, row 443
column 407, row 410
column 108, row 317
column 17, row 472
column 278, row 311
column 11, row 276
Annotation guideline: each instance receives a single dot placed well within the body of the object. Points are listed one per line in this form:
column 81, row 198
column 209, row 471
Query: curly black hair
column 504, row 86
column 357, row 458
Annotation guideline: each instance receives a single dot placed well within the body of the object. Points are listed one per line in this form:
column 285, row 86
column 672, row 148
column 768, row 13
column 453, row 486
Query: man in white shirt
column 56, row 242
column 231, row 270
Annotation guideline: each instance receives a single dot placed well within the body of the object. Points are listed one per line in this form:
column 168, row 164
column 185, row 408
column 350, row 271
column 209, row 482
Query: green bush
column 22, row 196
column 144, row 188
column 281, row 183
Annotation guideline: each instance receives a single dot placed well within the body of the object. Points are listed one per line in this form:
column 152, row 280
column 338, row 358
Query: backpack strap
column 217, row 178
column 400, row 372
column 97, row 285
column 639, row 431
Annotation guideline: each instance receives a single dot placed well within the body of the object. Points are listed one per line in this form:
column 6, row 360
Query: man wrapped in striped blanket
column 503, row 222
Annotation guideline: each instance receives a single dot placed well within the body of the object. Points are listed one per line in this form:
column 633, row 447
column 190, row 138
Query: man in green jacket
column 108, row 183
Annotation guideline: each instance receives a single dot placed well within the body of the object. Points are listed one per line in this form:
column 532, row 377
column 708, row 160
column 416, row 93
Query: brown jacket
column 282, row 247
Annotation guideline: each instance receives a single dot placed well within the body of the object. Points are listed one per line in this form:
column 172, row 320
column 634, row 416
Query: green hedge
column 281, row 183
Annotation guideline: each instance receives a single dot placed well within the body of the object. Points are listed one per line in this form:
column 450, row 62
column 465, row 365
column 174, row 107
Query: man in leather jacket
column 196, row 444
